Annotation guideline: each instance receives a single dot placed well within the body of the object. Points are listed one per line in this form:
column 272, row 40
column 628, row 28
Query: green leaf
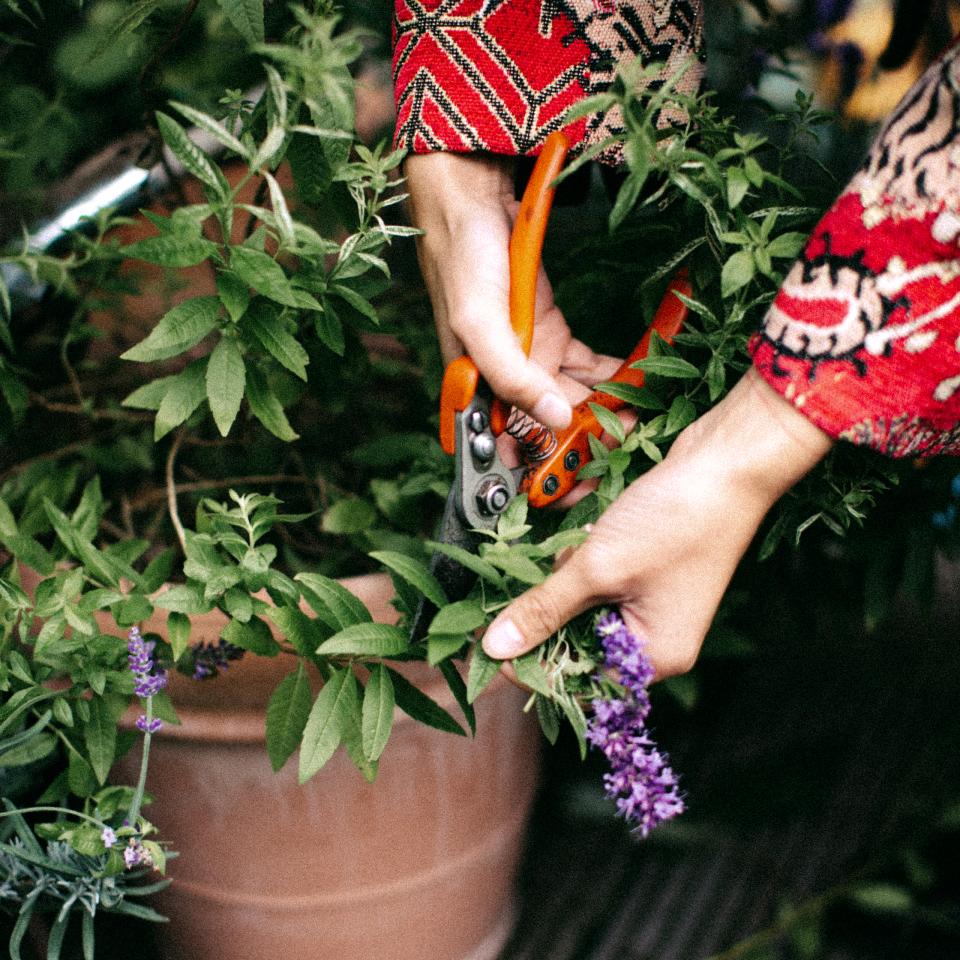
column 171, row 250
column 247, row 17
column 675, row 367
column 610, row 422
column 100, row 736
column 332, row 602
column 459, row 690
column 178, row 330
column 883, row 898
column 639, row 397
column 234, row 294
column 184, row 395
column 359, row 303
column 178, row 633
column 266, row 276
column 194, row 160
column 787, row 245
column 212, row 126
column 682, row 413
column 287, row 714
column 226, row 377
column 737, row 186
column 302, row 633
column 150, row 395
column 548, row 717
column 482, row 568
column 324, row 727
column 254, row 635
column 366, row 640
column 464, row 616
column 517, row 566
column 442, row 646
column 349, row 515
column 329, row 328
column 416, row 704
column 531, row 674
column 183, row 598
column 265, row 323
column 378, row 704
column 266, row 407
column 415, row 573
column 737, row 272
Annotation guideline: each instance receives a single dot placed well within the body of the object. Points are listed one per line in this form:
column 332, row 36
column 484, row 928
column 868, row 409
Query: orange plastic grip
column 556, row 476
column 526, row 246
column 526, row 240
column 459, row 386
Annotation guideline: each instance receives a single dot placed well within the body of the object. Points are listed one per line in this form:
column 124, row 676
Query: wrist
column 753, row 442
column 447, row 189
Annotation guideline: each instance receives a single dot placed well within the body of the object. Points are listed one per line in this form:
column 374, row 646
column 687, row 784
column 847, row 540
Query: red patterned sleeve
column 864, row 336
column 498, row 75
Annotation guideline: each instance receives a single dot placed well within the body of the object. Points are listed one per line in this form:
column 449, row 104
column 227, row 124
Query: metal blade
column 455, row 578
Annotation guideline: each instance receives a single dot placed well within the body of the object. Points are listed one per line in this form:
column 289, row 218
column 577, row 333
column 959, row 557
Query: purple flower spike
column 148, row 678
column 641, row 782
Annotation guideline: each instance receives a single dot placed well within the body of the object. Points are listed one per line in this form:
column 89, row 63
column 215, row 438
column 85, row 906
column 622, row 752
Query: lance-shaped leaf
column 178, row 330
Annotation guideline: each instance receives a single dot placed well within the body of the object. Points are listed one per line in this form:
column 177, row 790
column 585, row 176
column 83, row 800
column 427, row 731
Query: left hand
column 667, row 548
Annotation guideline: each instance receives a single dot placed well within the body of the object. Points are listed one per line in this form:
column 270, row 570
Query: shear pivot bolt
column 493, row 497
column 572, row 460
column 551, row 484
column 483, row 446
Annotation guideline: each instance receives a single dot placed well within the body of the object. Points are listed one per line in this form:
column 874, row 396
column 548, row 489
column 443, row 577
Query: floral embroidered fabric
column 864, row 335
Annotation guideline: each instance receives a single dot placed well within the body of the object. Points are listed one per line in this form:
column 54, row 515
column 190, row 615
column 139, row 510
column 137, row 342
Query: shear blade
column 455, row 579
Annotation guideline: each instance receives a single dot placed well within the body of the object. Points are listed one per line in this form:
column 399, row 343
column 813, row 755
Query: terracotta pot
column 419, row 864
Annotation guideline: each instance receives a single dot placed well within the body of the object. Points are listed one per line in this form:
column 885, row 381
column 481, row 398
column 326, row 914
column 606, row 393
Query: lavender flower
column 108, row 837
column 148, row 678
column 135, row 854
column 640, row 781
column 210, row 658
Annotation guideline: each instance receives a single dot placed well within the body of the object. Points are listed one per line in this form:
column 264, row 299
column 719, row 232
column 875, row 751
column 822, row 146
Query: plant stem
column 137, row 801
column 172, row 490
column 66, row 810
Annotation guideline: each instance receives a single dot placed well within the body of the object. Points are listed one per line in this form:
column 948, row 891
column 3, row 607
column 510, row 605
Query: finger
column 539, row 613
column 587, row 367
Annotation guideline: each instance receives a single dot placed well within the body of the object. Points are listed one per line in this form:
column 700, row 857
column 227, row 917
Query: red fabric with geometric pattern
column 891, row 384
column 471, row 75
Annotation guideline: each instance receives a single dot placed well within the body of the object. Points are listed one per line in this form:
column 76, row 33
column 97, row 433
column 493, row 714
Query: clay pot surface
column 418, row 865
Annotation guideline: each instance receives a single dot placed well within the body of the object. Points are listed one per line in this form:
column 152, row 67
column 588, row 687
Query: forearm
column 862, row 338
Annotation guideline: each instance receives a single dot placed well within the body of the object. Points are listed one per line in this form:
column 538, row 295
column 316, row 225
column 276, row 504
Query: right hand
column 465, row 205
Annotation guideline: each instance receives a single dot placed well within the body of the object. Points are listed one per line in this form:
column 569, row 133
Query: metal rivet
column 572, row 460
column 551, row 484
column 483, row 447
column 478, row 421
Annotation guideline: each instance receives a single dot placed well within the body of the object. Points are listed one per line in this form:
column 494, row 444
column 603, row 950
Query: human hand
column 466, row 207
column 666, row 550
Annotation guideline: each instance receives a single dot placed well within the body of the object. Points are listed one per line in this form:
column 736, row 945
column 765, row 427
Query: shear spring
column 536, row 442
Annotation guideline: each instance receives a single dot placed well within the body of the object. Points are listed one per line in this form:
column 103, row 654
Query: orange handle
column 556, row 476
column 526, row 245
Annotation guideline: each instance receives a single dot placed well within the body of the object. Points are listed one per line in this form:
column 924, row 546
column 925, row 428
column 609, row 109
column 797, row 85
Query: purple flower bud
column 148, row 679
column 148, row 726
column 132, row 855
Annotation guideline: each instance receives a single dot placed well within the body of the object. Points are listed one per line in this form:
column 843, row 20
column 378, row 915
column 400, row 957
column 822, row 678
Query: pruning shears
column 471, row 418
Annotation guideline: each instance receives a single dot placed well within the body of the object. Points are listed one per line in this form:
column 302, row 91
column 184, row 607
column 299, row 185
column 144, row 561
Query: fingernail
column 552, row 411
column 503, row 640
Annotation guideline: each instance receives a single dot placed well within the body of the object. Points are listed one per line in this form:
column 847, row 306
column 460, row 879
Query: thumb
column 518, row 380
column 537, row 614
